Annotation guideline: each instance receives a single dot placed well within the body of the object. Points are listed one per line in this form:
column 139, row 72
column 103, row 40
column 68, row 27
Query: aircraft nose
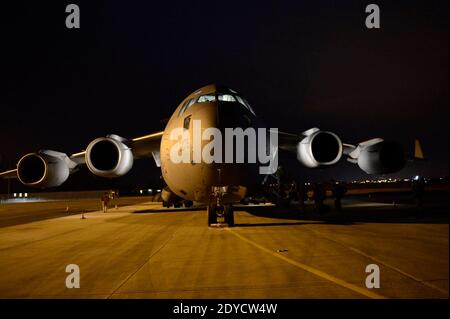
column 231, row 115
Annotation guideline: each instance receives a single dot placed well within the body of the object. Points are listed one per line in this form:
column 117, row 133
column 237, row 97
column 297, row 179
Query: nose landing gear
column 219, row 214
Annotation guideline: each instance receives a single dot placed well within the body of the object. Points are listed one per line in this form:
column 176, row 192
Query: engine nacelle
column 109, row 156
column 383, row 157
column 319, row 148
column 43, row 169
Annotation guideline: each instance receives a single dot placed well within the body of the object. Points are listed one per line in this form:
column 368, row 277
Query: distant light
column 15, row 194
column 149, row 190
column 20, row 194
column 158, row 190
column 416, row 178
column 25, row 195
column 141, row 191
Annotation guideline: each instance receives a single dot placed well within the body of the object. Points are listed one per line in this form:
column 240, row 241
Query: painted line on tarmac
column 310, row 269
column 412, row 277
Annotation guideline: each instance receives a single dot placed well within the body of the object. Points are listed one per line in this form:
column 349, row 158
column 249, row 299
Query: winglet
column 418, row 153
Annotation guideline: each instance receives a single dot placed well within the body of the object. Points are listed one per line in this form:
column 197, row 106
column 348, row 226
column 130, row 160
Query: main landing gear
column 219, row 214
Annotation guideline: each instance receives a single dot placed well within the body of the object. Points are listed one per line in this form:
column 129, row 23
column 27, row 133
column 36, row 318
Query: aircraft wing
column 47, row 168
column 146, row 146
column 9, row 174
column 317, row 148
column 142, row 147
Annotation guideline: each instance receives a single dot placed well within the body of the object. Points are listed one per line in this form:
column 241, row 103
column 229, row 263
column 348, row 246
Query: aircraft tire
column 229, row 215
column 212, row 216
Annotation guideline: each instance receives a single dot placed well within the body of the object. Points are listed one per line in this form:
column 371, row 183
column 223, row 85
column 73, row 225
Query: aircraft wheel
column 229, row 215
column 212, row 214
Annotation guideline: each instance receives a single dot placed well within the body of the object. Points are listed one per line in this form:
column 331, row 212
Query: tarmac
column 141, row 250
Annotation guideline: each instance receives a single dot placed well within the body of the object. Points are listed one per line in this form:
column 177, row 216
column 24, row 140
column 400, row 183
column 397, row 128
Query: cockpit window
column 222, row 97
column 206, row 98
column 245, row 103
column 226, row 98
column 186, row 105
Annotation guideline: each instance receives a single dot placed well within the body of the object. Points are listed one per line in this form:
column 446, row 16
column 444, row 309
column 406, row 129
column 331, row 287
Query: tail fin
column 418, row 153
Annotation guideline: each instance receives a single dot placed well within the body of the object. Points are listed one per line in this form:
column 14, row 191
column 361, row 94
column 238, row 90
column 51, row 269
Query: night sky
column 299, row 63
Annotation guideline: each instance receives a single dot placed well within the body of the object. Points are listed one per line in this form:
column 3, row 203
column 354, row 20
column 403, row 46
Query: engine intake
column 319, row 148
column 109, row 156
column 382, row 158
column 43, row 169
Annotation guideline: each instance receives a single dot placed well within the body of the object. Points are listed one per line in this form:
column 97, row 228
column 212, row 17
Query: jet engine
column 383, row 157
column 109, row 156
column 43, row 169
column 319, row 148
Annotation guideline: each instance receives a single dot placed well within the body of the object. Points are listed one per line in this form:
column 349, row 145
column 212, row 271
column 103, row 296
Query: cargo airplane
column 212, row 181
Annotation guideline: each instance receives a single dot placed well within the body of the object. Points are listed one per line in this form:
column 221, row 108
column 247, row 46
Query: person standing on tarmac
column 105, row 201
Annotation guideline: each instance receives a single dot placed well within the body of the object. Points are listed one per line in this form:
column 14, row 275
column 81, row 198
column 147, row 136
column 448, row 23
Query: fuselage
column 210, row 107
